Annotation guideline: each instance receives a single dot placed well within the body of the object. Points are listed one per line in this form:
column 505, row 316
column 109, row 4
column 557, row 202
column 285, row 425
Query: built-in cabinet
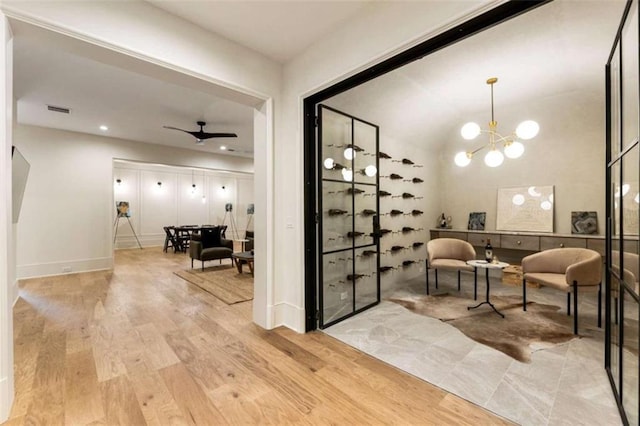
column 525, row 241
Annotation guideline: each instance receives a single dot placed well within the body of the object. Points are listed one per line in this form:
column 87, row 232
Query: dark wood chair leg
column 575, row 307
column 569, row 303
column 458, row 279
column 427, row 280
column 203, row 266
column 524, row 294
column 192, row 263
column 475, row 283
column 436, row 272
column 615, row 310
column 600, row 305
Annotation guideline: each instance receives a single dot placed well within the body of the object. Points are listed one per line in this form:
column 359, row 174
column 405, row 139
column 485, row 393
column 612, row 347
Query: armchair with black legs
column 209, row 244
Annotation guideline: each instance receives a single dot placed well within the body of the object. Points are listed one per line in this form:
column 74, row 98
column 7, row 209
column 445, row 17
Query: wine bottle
column 336, row 212
column 383, row 155
column 385, row 231
column 354, row 234
column 416, row 212
column 368, row 212
column 395, row 176
column 417, row 180
column 396, row 212
column 407, row 161
column 384, row 193
column 369, row 252
column 408, row 262
column 396, row 248
column 338, row 166
column 407, row 195
column 488, row 251
column 353, row 277
column 352, row 191
column 417, row 244
column 356, row 148
column 386, row 268
column 406, row 229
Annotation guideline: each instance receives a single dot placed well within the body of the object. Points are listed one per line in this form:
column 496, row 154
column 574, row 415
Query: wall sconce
column 119, row 182
column 159, row 184
column 223, row 188
column 193, row 188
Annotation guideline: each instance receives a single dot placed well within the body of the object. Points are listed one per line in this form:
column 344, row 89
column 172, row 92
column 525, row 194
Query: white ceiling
column 277, row 29
column 561, row 46
column 556, row 49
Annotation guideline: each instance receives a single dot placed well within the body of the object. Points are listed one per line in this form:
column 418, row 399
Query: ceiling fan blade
column 218, row 135
column 175, row 128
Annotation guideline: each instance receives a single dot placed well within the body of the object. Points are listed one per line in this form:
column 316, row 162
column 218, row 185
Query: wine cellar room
column 397, row 136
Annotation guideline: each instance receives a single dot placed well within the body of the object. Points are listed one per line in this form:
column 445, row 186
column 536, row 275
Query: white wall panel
column 191, row 209
column 245, row 197
column 158, row 203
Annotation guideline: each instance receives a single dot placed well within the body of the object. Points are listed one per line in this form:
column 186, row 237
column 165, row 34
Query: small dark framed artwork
column 584, row 222
column 476, row 221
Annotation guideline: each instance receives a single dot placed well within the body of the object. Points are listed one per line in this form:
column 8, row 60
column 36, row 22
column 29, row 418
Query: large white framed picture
column 525, row 208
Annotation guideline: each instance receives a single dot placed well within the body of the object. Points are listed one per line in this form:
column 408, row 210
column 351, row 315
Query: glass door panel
column 348, row 223
column 629, row 78
column 630, row 351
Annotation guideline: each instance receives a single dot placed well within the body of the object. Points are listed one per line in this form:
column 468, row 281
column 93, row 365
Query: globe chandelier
column 510, row 145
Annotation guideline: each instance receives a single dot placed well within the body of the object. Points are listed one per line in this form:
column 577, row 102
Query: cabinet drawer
column 547, row 243
column 480, row 240
column 520, row 242
column 597, row 245
column 434, row 234
column 456, row 235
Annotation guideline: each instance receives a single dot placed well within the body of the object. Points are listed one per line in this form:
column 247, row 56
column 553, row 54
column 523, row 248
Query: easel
column 123, row 212
column 228, row 208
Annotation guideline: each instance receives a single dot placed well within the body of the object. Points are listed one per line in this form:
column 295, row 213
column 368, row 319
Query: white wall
column 176, row 202
column 379, row 32
column 67, row 212
column 7, row 254
column 567, row 153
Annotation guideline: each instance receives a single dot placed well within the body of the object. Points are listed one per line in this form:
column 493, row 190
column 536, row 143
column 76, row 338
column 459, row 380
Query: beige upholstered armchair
column 565, row 269
column 451, row 254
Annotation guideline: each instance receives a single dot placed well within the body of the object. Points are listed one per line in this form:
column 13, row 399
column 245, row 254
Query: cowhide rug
column 517, row 335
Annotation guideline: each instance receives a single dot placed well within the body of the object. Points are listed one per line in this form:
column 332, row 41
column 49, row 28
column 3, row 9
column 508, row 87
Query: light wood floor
column 138, row 345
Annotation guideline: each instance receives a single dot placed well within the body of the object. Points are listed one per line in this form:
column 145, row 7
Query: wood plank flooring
column 138, row 345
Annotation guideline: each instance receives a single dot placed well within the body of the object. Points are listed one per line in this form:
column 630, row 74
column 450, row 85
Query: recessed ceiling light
column 104, row 128
column 222, row 147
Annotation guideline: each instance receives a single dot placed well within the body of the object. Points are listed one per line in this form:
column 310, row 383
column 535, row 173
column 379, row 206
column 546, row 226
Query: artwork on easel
column 476, row 221
column 122, row 209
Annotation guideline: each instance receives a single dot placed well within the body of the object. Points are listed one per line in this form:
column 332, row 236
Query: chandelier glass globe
column 329, row 163
column 349, row 154
column 527, row 129
column 370, row 170
column 462, row 159
column 470, row 131
column 347, row 174
column 493, row 158
column 514, row 149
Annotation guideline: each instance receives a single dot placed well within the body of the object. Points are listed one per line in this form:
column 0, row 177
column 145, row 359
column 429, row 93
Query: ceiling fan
column 201, row 135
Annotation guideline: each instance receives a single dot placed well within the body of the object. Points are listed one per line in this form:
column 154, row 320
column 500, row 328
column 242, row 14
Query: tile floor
column 564, row 384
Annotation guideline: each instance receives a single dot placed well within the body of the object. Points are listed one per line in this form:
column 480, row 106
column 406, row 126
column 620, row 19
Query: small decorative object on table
column 442, row 221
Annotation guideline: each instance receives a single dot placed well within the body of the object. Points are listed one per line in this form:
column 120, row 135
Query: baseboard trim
column 288, row 315
column 66, row 267
column 6, row 399
column 129, row 241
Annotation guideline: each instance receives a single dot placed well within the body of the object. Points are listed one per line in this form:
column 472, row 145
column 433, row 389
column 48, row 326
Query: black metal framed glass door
column 623, row 216
column 348, row 220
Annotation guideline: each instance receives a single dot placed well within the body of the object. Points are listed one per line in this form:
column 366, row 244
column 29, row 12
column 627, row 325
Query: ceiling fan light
column 462, row 159
column 470, row 131
column 493, row 158
column 527, row 129
column 514, row 150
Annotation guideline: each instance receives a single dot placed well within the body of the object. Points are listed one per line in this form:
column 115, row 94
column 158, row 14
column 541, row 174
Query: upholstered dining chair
column 451, row 254
column 565, row 269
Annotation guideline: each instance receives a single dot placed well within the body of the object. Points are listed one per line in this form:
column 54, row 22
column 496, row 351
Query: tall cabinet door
column 348, row 219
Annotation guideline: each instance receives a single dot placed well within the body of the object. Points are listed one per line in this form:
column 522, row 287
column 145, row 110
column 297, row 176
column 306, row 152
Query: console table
column 527, row 241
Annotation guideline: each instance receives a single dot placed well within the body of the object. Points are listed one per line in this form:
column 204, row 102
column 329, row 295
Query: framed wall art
column 525, row 208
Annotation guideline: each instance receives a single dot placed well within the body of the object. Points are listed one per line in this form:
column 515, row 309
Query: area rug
column 517, row 335
column 222, row 281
